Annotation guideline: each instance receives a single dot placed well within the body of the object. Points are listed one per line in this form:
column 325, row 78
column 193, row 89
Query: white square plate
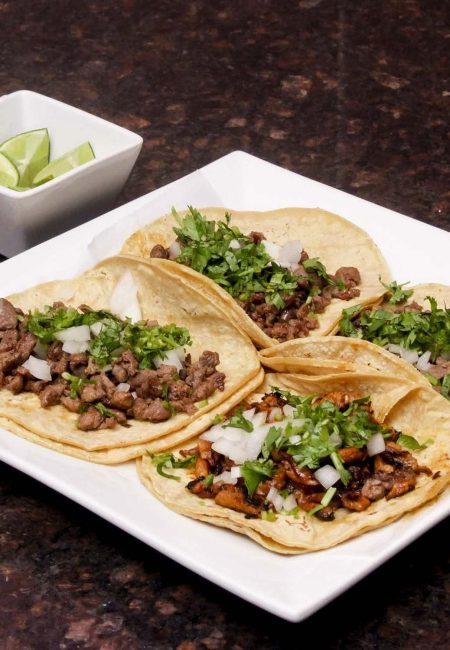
column 290, row 587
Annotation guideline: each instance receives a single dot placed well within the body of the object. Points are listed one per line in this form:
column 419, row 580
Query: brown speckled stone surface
column 354, row 94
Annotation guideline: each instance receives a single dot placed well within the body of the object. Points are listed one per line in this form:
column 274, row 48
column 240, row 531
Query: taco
column 309, row 462
column 278, row 275
column 121, row 356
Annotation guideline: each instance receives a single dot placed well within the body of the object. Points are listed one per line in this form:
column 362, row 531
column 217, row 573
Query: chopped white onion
column 213, row 434
column 249, row 413
column 276, row 499
column 124, row 300
column 271, row 493
column 77, row 333
column 96, row 328
column 123, row 387
column 38, row 368
column 275, row 414
column 234, row 244
column 235, row 471
column 133, row 392
column 272, row 249
column 174, row 250
column 225, row 477
column 294, row 439
column 336, row 439
column 74, row 347
column 235, row 452
column 376, row 444
column 408, row 355
column 290, row 503
column 233, row 433
column 327, row 476
column 259, row 418
column 171, row 358
column 289, row 255
column 423, row 364
column 40, row 350
column 289, row 410
column 181, row 353
column 255, row 441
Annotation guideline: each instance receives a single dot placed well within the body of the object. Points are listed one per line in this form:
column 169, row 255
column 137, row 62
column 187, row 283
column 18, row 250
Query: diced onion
column 234, row 244
column 255, row 441
column 376, row 444
column 423, row 364
column 170, row 358
column 133, row 392
column 290, row 503
column 276, row 499
column 327, row 476
column 181, row 353
column 235, row 471
column 336, row 439
column 408, row 355
column 294, row 439
column 225, row 477
column 289, row 410
column 259, row 418
column 248, row 414
column 123, row 387
column 289, row 255
column 272, row 249
column 174, row 250
column 74, row 347
column 38, row 368
column 77, row 333
column 124, row 300
column 96, row 328
column 275, row 414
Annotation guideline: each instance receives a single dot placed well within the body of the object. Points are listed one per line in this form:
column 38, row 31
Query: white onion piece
column 294, row 439
column 96, row 328
column 234, row 433
column 271, row 493
column 40, row 350
column 327, row 476
column 171, row 358
column 74, row 347
column 275, row 414
column 229, row 448
column 234, row 244
column 423, row 364
column 289, row 410
column 255, row 441
column 408, row 355
column 248, row 414
column 290, row 502
column 174, row 250
column 289, row 255
column 225, row 477
column 124, row 301
column 336, row 439
column 272, row 249
column 77, row 333
column 133, row 392
column 259, row 418
column 123, row 387
column 235, row 471
column 38, row 368
column 181, row 353
column 275, row 498
column 212, row 434
column 376, row 444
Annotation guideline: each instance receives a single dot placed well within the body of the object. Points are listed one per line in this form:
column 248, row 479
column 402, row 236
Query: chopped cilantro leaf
column 395, row 293
column 75, row 384
column 253, row 472
column 240, row 422
column 411, row 443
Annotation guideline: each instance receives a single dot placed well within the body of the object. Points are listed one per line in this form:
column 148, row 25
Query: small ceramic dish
column 30, row 217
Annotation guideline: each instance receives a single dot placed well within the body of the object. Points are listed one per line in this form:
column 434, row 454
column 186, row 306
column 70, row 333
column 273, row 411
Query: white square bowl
column 27, row 218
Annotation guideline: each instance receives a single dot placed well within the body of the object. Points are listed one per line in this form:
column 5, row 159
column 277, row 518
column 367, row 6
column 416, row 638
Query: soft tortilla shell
column 161, row 299
column 336, row 241
column 296, row 535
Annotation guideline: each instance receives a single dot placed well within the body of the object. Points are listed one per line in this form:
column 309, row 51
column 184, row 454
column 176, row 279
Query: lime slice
column 9, row 174
column 29, row 151
column 70, row 160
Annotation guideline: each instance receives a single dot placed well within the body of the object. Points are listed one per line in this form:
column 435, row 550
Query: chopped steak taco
column 309, row 462
column 279, row 275
column 115, row 359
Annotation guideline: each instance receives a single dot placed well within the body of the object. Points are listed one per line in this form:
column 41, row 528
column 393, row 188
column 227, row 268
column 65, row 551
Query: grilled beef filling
column 388, row 474
column 103, row 396
column 282, row 298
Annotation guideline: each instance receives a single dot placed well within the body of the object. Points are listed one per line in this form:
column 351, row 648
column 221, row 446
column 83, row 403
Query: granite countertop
column 355, row 95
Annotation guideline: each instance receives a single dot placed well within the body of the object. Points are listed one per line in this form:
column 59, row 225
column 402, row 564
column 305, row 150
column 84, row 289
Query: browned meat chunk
column 352, row 454
column 25, row 345
column 92, row 393
column 208, row 387
column 440, row 368
column 14, row 383
column 256, row 237
column 201, row 468
column 77, row 363
column 151, row 410
column 92, row 368
column 404, row 482
column 355, row 501
column 51, row 394
column 179, row 390
column 90, row 420
column 303, row 476
column 338, row 398
column 160, row 252
column 349, row 275
column 128, row 362
column 373, row 489
column 230, row 496
column 8, row 315
column 72, row 405
column 184, row 405
column 8, row 340
column 201, row 490
column 54, row 352
column 57, row 367
column 121, row 400
column 8, row 360
column 147, row 384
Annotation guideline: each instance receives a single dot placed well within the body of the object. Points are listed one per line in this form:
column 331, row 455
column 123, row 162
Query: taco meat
column 119, row 375
column 280, row 288
column 302, row 441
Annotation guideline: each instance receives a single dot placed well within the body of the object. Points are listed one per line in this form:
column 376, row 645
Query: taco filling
column 105, row 368
column 420, row 336
column 287, row 453
column 279, row 287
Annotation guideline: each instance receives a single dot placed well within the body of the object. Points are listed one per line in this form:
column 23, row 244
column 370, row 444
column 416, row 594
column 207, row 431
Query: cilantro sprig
column 395, row 292
column 234, row 261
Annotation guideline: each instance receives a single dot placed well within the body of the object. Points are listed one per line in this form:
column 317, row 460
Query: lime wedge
column 9, row 174
column 29, row 151
column 70, row 160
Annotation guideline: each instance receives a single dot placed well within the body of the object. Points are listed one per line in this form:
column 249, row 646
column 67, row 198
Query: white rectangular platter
column 290, row 587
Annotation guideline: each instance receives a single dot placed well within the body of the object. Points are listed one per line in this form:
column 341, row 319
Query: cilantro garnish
column 411, row 443
column 240, row 422
column 75, row 384
column 395, row 293
column 168, row 460
column 103, row 410
column 253, row 472
column 209, row 247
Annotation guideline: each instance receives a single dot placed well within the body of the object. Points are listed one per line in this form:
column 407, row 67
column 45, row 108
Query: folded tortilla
column 396, row 402
column 160, row 299
column 334, row 240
